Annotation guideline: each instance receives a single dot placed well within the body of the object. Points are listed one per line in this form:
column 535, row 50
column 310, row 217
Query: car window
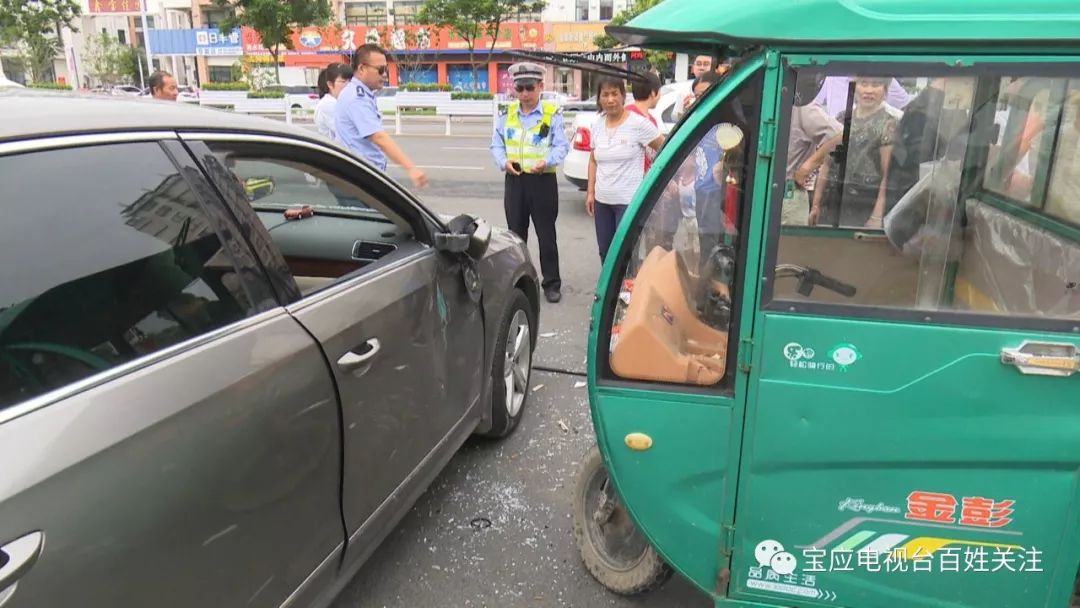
column 276, row 184
column 339, row 227
column 115, row 261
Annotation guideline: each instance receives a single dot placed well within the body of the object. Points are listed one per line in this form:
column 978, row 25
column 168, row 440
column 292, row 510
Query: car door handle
column 16, row 559
column 1043, row 358
column 351, row 359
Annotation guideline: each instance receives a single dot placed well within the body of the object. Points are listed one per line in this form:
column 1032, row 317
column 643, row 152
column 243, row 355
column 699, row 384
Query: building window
column 607, row 9
column 405, row 12
column 221, row 73
column 527, row 17
column 213, row 18
column 365, row 13
column 581, row 10
column 121, row 36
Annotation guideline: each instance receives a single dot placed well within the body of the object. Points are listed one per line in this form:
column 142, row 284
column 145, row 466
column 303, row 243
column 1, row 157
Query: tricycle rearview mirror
column 728, row 136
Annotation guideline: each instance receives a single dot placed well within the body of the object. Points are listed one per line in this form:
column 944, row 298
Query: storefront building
column 419, row 54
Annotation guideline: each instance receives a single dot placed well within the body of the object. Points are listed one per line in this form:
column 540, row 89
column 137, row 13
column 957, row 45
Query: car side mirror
column 465, row 234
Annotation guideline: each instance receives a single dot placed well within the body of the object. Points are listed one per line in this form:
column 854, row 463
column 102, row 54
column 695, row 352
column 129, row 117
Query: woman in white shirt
column 617, row 162
column 332, row 80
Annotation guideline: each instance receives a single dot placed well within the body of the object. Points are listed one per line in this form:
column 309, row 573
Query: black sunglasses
column 380, row 68
column 525, row 87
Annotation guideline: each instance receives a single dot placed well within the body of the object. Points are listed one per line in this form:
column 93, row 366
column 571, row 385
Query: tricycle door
column 665, row 393
column 912, row 430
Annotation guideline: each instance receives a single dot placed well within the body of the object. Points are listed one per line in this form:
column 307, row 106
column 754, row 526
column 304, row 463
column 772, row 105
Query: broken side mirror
column 465, row 234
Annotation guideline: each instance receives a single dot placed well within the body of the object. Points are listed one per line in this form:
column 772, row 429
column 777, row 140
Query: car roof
column 688, row 24
column 32, row 114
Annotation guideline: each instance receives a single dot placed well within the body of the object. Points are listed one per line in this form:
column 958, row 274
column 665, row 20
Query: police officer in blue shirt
column 528, row 145
column 358, row 121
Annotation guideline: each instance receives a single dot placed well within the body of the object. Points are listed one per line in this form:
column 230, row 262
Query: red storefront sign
column 114, row 6
column 407, row 38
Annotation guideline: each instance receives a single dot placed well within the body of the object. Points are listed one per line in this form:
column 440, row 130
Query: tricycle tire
column 644, row 570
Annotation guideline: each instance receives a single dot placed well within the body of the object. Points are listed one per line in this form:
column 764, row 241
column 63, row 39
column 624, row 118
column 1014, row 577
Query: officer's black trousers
column 537, row 197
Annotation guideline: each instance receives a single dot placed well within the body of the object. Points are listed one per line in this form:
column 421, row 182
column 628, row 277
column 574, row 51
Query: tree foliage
column 657, row 59
column 476, row 20
column 106, row 59
column 605, row 41
column 274, row 20
column 35, row 25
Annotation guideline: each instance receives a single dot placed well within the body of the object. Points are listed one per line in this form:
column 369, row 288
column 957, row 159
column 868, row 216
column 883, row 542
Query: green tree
column 657, row 59
column 36, row 26
column 133, row 64
column 474, row 20
column 106, row 58
column 274, row 21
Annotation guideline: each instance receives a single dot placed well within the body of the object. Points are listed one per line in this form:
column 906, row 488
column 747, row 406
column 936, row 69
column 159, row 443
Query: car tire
column 636, row 568
column 512, row 362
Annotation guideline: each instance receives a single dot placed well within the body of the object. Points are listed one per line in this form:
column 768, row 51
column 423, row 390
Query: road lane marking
column 447, row 167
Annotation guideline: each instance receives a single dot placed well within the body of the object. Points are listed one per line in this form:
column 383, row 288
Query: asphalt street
column 438, row 556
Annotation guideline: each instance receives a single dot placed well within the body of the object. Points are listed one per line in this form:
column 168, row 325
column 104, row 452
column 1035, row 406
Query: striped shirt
column 620, row 157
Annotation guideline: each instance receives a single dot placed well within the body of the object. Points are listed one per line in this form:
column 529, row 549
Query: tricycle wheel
column 615, row 552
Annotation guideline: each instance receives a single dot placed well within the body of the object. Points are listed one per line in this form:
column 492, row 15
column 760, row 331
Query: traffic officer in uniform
column 358, row 121
column 528, row 144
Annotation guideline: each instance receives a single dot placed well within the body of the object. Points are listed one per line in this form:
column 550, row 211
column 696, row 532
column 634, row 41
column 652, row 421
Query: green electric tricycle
column 844, row 372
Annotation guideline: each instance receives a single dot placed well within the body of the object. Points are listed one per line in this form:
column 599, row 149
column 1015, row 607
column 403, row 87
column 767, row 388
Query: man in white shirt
column 702, row 64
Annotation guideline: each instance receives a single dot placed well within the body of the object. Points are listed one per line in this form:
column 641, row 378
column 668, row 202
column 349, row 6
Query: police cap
column 526, row 72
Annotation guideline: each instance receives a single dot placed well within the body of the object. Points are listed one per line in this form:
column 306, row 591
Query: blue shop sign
column 212, row 41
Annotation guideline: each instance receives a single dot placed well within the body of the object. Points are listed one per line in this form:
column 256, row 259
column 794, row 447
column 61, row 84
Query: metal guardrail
column 239, row 102
column 441, row 103
column 468, row 107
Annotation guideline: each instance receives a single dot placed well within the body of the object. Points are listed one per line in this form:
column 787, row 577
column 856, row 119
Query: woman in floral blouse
column 860, row 199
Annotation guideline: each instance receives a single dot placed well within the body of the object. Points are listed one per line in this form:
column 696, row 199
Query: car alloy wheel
column 517, row 363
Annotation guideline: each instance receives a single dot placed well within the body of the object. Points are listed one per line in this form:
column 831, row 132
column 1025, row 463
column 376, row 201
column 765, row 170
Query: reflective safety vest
column 529, row 146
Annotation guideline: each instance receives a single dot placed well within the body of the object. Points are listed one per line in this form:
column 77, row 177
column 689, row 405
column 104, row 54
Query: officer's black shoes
column 552, row 295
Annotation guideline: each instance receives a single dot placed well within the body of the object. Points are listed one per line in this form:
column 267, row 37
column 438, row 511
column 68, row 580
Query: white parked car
column 126, row 90
column 300, row 96
column 576, row 165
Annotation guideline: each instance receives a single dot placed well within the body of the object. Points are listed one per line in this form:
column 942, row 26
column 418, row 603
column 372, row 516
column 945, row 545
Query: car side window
column 112, row 258
column 329, row 228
